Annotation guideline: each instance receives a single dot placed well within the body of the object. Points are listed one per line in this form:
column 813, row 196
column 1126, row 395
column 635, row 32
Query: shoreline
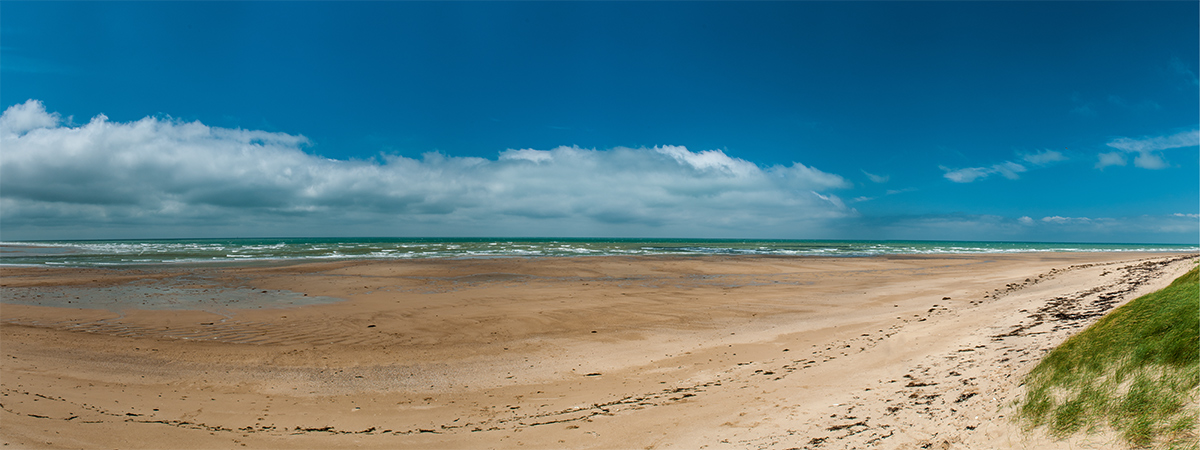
column 665, row 351
column 287, row 262
column 235, row 252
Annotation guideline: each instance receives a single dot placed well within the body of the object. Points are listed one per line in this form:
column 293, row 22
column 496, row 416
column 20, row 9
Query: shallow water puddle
column 165, row 294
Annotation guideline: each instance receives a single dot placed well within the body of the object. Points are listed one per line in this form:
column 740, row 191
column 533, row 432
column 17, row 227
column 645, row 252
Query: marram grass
column 1136, row 370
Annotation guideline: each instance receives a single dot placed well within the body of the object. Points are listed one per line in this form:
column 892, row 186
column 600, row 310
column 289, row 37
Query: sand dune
column 589, row 352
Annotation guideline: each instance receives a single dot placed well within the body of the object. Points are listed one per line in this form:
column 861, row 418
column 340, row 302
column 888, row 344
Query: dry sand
column 589, row 352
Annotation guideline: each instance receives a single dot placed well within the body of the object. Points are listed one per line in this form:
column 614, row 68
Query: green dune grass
column 1136, row 369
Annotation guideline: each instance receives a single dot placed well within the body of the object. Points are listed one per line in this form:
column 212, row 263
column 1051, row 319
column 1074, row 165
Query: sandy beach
column 587, row 352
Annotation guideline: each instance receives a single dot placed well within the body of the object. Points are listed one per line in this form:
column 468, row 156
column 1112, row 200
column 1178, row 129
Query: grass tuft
column 1136, row 370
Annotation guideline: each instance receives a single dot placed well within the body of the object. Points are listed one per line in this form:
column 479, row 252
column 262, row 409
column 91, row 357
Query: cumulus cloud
column 527, row 154
column 167, row 173
column 1148, row 148
column 1007, row 169
column 1110, row 159
column 1149, row 160
column 26, row 117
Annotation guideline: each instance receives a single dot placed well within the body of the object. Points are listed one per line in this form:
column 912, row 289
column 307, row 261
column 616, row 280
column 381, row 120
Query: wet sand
column 588, row 352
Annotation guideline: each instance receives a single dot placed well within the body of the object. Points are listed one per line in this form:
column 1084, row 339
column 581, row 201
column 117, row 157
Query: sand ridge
column 592, row 352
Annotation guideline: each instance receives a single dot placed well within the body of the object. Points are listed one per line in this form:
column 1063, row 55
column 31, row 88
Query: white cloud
column 1147, row 148
column 1144, row 229
column 831, row 199
column 965, row 175
column 877, row 178
column 1189, row 138
column 173, row 175
column 528, row 154
column 708, row 160
column 1061, row 219
column 1110, row 159
column 1044, row 157
column 1148, row 160
column 26, row 117
column 1007, row 169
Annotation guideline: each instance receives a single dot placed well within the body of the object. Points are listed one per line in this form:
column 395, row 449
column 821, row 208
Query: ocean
column 241, row 251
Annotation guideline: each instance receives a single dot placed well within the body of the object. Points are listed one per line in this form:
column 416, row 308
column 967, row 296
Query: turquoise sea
column 141, row 252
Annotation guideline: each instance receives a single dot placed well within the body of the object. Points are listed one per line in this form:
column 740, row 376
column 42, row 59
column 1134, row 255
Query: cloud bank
column 1162, row 228
column 165, row 177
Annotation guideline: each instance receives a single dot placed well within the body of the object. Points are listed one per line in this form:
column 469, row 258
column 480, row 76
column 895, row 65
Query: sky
column 1005, row 121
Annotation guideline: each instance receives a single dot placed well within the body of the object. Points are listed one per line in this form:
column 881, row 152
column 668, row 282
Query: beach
column 707, row 351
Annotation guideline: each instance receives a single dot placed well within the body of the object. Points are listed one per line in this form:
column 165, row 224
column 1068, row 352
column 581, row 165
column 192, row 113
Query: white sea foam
column 91, row 253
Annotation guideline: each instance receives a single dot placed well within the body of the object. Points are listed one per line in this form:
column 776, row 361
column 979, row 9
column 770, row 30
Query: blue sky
column 1034, row 121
